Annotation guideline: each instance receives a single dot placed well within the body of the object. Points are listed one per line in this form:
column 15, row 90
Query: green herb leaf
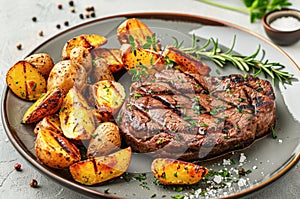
column 250, row 63
column 254, row 8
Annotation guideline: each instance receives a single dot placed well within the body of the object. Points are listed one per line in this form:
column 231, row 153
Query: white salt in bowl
column 283, row 26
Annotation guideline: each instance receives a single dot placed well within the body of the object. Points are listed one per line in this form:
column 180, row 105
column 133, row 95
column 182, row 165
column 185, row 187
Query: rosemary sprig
column 250, row 63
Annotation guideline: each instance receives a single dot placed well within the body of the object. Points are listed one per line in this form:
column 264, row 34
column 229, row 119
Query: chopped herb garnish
column 137, row 95
column 175, row 174
column 177, row 197
column 274, row 135
column 204, row 125
column 214, row 112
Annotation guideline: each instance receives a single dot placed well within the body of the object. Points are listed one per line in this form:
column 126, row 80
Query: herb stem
column 242, row 10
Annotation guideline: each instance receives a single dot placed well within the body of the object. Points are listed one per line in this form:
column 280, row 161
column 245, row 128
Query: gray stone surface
column 16, row 26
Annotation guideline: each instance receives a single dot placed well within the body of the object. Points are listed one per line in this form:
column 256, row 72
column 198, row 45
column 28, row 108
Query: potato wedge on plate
column 82, row 57
column 108, row 96
column 42, row 61
column 65, row 75
column 89, row 41
column 26, row 81
column 76, row 117
column 101, row 71
column 47, row 104
column 101, row 169
column 50, row 122
column 176, row 172
column 54, row 150
column 135, row 32
column 111, row 56
column 105, row 139
column 186, row 62
column 139, row 56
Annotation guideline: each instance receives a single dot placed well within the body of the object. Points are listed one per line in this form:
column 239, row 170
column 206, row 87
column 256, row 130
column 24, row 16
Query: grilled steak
column 194, row 117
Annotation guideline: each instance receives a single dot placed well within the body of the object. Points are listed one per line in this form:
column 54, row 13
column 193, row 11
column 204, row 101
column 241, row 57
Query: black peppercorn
column 19, row 46
column 58, row 26
column 81, row 16
column 71, row 3
column 66, row 23
column 34, row 19
column 93, row 14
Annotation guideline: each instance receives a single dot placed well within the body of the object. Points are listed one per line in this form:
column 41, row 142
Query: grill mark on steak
column 173, row 117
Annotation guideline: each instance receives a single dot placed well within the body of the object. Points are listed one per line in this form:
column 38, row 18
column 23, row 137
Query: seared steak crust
column 193, row 117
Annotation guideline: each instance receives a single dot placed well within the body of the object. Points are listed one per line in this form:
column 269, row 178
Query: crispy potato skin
column 54, row 150
column 139, row 31
column 50, row 122
column 81, row 57
column 111, row 56
column 109, row 96
column 42, row 62
column 106, row 139
column 88, row 41
column 131, row 59
column 76, row 117
column 176, row 172
column 101, row 169
column 101, row 71
column 186, row 62
column 65, row 75
column 25, row 81
column 47, row 104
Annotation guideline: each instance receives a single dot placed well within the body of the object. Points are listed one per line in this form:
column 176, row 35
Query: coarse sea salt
column 287, row 23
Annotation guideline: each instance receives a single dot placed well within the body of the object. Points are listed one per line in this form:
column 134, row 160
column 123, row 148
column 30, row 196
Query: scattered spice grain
column 93, row 14
column 71, row 3
column 59, row 6
column 19, row 46
column 72, row 10
column 34, row 19
column 87, row 15
column 58, row 26
column 41, row 33
column 66, row 23
column 18, row 167
column 81, row 16
column 33, row 183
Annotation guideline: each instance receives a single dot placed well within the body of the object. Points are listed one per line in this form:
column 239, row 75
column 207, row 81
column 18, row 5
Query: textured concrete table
column 17, row 27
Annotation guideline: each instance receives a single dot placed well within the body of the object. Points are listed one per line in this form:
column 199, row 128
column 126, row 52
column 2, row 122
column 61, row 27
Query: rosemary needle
column 250, row 63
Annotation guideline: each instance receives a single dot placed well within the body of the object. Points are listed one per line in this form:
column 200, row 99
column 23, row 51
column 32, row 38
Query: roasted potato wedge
column 88, row 41
column 50, row 122
column 100, row 169
column 47, row 104
column 54, row 150
column 42, row 62
column 101, row 71
column 134, row 32
column 26, row 81
column 82, row 57
column 141, row 57
column 185, row 62
column 108, row 96
column 105, row 139
column 175, row 172
column 111, row 56
column 76, row 117
column 65, row 75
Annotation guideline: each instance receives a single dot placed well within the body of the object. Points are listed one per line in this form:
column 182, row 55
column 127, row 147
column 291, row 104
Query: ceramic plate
column 268, row 158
